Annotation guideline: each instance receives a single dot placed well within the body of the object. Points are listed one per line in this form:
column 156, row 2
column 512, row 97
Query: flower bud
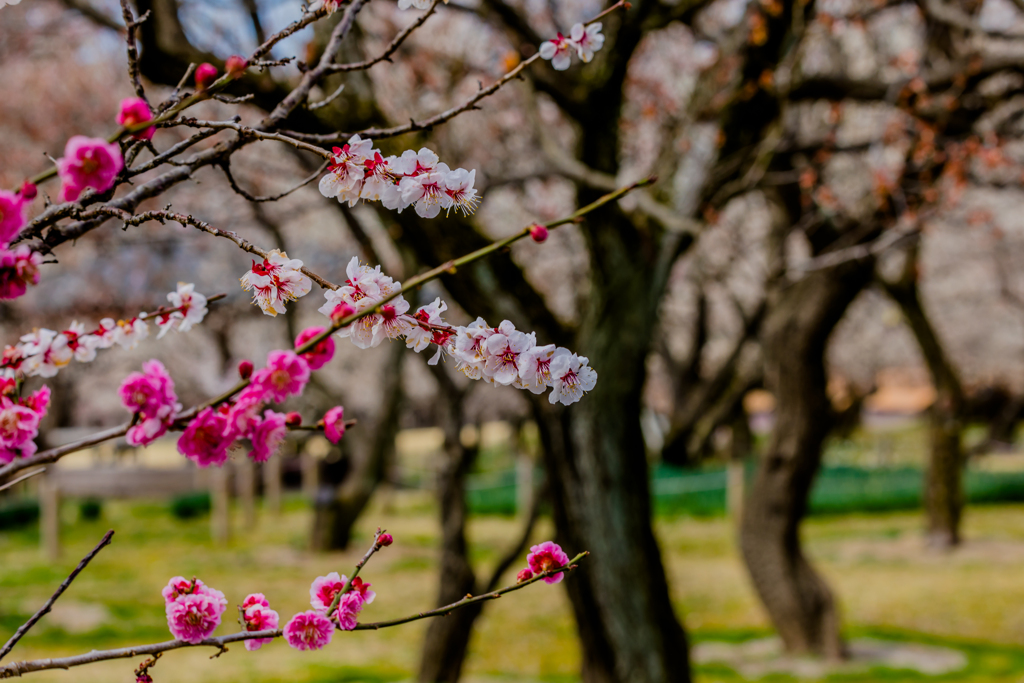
column 143, row 678
column 293, row 419
column 245, row 369
column 384, row 540
column 524, row 575
column 206, row 74
column 236, row 66
column 340, row 312
column 538, row 232
column 28, row 191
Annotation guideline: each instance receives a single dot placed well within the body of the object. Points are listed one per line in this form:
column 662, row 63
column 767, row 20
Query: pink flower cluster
column 313, row 629
column 275, row 282
column 543, row 558
column 210, row 434
column 88, row 163
column 19, row 267
column 418, row 179
column 583, row 41
column 134, row 111
column 44, row 352
column 498, row 355
column 149, row 395
column 258, row 616
column 19, row 420
column 193, row 609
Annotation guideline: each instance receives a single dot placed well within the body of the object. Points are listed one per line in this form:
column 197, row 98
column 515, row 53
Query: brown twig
column 19, row 634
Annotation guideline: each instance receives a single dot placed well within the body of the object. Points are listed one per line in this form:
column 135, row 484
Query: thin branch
column 392, row 46
column 257, row 199
column 22, row 478
column 20, row 668
column 374, row 547
column 131, row 23
column 44, row 610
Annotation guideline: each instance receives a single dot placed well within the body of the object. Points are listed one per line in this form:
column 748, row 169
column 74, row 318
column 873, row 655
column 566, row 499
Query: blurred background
column 801, row 458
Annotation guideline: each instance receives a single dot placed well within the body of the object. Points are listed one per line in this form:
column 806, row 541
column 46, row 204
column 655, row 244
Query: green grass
column 888, row 585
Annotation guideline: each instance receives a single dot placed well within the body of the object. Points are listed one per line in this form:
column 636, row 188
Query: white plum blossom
column 275, row 282
column 358, row 171
column 559, row 51
column 535, row 368
column 587, row 40
column 418, row 4
column 571, row 377
column 83, row 345
column 499, row 355
column 584, row 41
column 192, row 307
column 45, row 352
column 503, row 350
column 129, row 333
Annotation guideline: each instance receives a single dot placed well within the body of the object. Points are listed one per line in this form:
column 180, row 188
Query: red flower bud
column 384, row 540
column 293, row 419
column 524, row 575
column 538, row 232
column 28, row 190
column 245, row 369
column 205, row 75
column 236, row 66
column 340, row 312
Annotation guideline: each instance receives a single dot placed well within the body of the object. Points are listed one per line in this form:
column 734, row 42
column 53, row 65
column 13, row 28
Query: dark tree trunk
column 337, row 509
column 444, row 648
column 800, row 318
column 597, row 464
column 944, row 497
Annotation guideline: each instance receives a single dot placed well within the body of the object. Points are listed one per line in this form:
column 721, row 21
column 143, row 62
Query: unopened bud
column 524, row 575
column 245, row 369
column 206, row 74
column 28, row 190
column 236, row 66
column 143, row 678
column 384, row 540
column 538, row 232
column 293, row 419
column 340, row 312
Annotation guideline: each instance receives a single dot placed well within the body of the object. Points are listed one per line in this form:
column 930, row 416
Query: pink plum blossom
column 348, row 611
column 12, row 214
column 204, row 440
column 267, row 436
column 150, row 394
column 18, row 424
column 179, row 586
column 362, row 589
column 88, row 162
column 323, row 590
column 18, row 269
column 547, row 556
column 134, row 111
column 193, row 618
column 259, row 617
column 255, row 599
column 286, row 375
column 524, row 575
column 334, row 424
column 309, row 631
column 319, row 355
column 206, row 74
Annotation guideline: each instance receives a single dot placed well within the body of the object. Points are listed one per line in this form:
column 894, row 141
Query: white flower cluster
column 583, row 41
column 275, row 282
column 498, row 355
column 358, row 171
column 43, row 352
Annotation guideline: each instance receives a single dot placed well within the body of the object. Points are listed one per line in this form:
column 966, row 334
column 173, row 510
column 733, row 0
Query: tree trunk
column 595, row 456
column 944, row 497
column 800, row 319
column 337, row 509
column 446, row 642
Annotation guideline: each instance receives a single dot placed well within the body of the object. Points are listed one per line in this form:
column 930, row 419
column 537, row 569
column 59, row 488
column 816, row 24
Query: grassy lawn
column 889, row 587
